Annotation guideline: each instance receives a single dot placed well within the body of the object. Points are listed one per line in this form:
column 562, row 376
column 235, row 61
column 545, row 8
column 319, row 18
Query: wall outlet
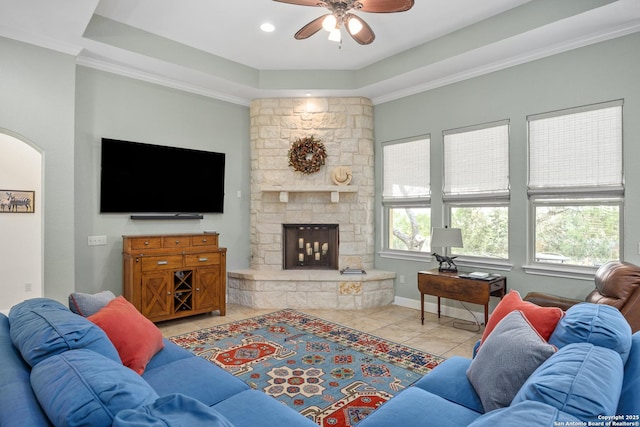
column 28, row 287
column 401, row 279
column 97, row 240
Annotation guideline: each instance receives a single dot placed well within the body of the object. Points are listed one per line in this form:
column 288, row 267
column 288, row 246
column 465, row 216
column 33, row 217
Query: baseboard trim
column 430, row 307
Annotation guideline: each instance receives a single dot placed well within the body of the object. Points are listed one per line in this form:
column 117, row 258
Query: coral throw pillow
column 133, row 335
column 543, row 319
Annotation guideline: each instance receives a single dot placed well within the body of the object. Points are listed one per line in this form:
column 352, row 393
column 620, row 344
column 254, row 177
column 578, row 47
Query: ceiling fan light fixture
column 335, row 36
column 354, row 25
column 329, row 23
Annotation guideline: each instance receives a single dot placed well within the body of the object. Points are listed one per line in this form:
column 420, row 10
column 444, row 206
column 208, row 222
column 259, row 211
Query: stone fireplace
column 310, row 246
column 280, row 195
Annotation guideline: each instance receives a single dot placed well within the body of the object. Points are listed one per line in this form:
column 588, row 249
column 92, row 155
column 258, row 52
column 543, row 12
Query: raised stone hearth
column 280, row 195
column 311, row 289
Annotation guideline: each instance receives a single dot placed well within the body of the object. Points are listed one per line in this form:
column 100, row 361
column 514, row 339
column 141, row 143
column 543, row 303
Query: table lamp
column 446, row 238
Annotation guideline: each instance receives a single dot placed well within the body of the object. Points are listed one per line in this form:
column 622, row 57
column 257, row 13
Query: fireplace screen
column 310, row 246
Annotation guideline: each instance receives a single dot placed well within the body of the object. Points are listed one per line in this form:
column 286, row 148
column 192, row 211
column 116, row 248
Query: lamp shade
column 446, row 238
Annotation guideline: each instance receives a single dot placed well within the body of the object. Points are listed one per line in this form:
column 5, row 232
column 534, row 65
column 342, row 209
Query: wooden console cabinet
column 174, row 275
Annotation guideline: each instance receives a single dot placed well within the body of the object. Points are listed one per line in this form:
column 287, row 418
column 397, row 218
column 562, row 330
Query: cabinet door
column 208, row 293
column 157, row 293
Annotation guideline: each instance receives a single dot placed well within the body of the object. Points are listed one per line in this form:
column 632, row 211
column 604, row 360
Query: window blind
column 576, row 151
column 406, row 170
column 476, row 162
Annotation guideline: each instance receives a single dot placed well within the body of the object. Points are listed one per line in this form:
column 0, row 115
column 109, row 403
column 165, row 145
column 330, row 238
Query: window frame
column 490, row 198
column 584, row 195
column 389, row 203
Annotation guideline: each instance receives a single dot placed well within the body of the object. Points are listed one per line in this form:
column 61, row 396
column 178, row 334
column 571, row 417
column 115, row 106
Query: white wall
column 21, row 233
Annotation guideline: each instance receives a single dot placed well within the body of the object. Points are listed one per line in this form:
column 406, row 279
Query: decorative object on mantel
column 307, row 155
column 341, row 175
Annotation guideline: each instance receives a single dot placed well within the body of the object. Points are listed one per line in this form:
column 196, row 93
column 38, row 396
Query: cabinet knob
column 204, row 240
column 177, row 242
column 203, row 259
column 163, row 262
column 197, row 289
column 146, row 243
column 168, row 293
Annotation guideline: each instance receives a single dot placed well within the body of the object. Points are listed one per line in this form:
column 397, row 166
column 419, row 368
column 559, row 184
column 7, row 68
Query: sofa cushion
column 598, row 324
column 16, row 394
column 81, row 387
column 449, row 380
column 630, row 397
column 174, row 410
column 509, row 355
column 187, row 376
column 581, row 379
column 134, row 336
column 41, row 328
column 88, row 304
column 543, row 319
column 253, row 408
column 414, row 407
column 528, row 413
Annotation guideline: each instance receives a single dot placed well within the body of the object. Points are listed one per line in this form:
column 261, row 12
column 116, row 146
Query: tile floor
column 395, row 323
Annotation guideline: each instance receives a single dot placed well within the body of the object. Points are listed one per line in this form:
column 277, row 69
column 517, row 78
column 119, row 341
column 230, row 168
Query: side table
column 451, row 285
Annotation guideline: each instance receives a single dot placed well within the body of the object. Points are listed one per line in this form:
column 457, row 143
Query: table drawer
column 176, row 241
column 146, row 243
column 205, row 240
column 199, row 260
column 169, row 262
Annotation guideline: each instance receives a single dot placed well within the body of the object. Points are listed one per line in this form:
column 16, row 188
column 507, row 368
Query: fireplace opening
column 310, row 246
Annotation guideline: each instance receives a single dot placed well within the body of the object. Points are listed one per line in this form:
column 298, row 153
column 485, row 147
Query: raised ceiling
column 215, row 48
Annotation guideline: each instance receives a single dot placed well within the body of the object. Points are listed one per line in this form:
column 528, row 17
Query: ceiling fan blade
column 303, row 2
column 385, row 6
column 311, row 28
column 365, row 35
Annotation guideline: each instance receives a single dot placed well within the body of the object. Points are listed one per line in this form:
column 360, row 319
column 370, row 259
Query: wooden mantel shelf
column 334, row 190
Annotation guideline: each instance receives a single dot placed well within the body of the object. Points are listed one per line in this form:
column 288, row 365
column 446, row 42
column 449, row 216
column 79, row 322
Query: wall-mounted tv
column 146, row 178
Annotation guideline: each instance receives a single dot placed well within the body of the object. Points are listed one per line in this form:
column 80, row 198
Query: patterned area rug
column 331, row 374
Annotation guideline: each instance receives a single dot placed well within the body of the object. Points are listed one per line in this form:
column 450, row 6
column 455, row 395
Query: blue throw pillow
column 83, row 388
column 41, row 328
column 581, row 379
column 174, row 410
column 87, row 304
column 598, row 324
column 511, row 353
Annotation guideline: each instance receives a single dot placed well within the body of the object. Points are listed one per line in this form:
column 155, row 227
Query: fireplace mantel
column 334, row 190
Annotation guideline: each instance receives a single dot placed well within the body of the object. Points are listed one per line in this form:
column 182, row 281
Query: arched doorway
column 21, row 220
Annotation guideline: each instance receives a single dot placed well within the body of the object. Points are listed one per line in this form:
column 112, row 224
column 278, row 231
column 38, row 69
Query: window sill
column 569, row 272
column 406, row 255
column 484, row 263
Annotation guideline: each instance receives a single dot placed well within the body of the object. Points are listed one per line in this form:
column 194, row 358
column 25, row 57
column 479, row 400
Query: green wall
column 601, row 72
column 37, row 89
column 112, row 106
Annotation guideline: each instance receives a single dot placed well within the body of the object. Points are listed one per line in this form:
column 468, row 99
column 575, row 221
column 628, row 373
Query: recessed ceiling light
column 267, row 27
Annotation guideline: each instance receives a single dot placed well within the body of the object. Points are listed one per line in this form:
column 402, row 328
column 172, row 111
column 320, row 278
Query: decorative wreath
column 307, row 155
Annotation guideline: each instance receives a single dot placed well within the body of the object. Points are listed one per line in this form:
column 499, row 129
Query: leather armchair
column 617, row 284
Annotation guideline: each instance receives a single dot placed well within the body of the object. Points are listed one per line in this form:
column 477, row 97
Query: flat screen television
column 146, row 178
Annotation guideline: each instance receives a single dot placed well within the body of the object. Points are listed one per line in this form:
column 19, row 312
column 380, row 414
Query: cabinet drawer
column 199, row 260
column 176, row 242
column 146, row 243
column 168, row 262
column 205, row 240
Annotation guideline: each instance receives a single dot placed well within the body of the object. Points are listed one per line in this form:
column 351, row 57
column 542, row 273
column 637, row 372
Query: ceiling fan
column 341, row 15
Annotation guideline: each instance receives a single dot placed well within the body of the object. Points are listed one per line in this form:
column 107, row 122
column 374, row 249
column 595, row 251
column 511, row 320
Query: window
column 476, row 188
column 406, row 194
column 576, row 185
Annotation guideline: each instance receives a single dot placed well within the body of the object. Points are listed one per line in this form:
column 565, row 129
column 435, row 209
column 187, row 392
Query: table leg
column 422, row 308
column 438, row 307
column 486, row 314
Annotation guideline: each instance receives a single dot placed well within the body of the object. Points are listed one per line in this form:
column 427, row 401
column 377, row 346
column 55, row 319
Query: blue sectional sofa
column 58, row 368
column 592, row 379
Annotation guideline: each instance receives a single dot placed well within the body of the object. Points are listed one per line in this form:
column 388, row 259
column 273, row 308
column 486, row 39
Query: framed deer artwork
column 17, row 201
